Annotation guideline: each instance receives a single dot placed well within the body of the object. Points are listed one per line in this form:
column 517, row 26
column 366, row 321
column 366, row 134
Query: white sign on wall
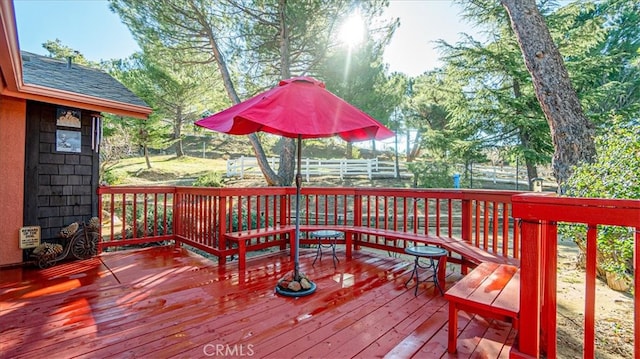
column 29, row 237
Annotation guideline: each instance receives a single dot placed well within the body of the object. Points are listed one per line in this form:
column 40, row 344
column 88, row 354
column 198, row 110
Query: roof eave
column 12, row 84
column 10, row 60
column 72, row 99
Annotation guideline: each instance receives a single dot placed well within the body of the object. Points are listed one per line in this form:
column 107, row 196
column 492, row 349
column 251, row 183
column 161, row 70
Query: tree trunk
column 348, row 153
column 284, row 177
column 287, row 167
column 178, row 148
column 177, row 133
column 415, row 150
column 146, row 156
column 571, row 132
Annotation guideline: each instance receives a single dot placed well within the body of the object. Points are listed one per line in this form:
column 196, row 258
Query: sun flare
column 352, row 30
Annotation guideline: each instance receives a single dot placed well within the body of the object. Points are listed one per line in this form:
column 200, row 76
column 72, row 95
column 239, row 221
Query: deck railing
column 200, row 216
column 540, row 215
column 135, row 215
column 507, row 223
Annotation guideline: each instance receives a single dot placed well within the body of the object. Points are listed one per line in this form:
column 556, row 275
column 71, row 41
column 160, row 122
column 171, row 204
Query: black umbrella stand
column 296, row 284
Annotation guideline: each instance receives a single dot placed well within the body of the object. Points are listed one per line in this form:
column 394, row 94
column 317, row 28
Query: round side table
column 434, row 254
column 333, row 237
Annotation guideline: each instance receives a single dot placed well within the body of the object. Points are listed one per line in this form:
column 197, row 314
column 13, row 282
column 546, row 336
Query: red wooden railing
column 487, row 219
column 135, row 215
column 539, row 215
column 200, row 216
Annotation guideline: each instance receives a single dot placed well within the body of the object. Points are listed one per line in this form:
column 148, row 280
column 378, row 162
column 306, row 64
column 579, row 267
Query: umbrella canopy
column 298, row 107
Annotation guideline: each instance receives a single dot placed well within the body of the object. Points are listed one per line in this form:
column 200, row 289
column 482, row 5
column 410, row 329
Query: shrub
column 244, row 225
column 432, row 174
column 211, row 179
column 113, row 178
column 613, row 174
column 151, row 214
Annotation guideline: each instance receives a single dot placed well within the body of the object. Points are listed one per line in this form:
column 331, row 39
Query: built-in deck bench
column 242, row 237
column 491, row 290
column 469, row 254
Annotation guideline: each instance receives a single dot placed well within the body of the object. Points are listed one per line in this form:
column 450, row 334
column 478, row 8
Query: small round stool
column 433, row 254
column 333, row 237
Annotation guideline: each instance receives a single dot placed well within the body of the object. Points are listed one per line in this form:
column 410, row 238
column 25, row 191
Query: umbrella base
column 295, row 285
column 301, row 293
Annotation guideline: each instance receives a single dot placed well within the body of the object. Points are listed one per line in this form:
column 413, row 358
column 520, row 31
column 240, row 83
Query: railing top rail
column 470, row 194
column 237, row 191
column 549, row 207
column 135, row 189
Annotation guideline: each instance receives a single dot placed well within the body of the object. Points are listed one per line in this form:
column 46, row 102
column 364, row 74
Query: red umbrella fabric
column 298, row 107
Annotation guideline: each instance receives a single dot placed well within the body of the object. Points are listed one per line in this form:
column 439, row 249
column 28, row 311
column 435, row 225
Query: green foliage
column 241, row 225
column 178, row 95
column 432, row 174
column 151, row 214
column 616, row 171
column 250, row 45
column 614, row 174
column 211, row 179
column 113, row 177
column 58, row 50
column 488, row 90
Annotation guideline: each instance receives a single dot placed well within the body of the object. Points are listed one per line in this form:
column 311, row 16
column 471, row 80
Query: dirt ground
column 614, row 311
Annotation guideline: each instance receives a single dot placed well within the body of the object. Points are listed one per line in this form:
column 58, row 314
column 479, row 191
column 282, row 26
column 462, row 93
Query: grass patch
column 167, row 168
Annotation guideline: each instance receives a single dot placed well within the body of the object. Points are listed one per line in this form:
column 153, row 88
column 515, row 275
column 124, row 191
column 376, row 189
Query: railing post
column 357, row 216
column 549, row 285
column 467, row 227
column 636, row 285
column 284, row 215
column 222, row 228
column 530, row 269
column 467, row 220
column 177, row 214
column 99, row 193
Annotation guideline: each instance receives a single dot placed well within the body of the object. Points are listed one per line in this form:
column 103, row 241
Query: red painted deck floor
column 164, row 302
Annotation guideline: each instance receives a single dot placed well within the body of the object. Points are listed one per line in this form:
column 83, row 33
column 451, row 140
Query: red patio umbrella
column 299, row 107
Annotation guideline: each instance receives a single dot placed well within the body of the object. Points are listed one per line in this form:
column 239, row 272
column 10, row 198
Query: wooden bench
column 242, row 237
column 491, row 290
column 469, row 254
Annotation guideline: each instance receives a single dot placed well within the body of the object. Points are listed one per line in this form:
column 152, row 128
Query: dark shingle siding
column 54, row 73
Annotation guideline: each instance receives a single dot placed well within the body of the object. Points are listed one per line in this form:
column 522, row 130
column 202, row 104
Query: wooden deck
column 163, row 302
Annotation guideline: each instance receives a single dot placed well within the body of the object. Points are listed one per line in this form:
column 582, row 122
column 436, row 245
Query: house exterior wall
column 61, row 184
column 12, row 161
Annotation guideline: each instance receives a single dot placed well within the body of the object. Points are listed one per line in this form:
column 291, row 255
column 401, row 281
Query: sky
column 91, row 28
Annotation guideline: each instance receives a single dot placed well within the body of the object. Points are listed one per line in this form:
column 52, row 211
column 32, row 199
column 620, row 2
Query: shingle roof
column 54, row 73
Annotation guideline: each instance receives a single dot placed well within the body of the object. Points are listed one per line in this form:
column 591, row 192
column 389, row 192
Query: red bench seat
column 491, row 290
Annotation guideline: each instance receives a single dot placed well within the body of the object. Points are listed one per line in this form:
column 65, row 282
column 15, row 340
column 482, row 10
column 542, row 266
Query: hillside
column 169, row 170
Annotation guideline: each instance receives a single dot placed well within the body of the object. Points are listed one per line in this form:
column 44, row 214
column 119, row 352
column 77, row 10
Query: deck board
column 165, row 302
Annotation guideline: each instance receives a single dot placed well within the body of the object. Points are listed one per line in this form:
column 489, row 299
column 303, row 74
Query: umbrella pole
column 296, row 270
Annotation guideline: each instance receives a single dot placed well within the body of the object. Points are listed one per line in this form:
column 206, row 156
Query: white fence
column 248, row 166
column 373, row 168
